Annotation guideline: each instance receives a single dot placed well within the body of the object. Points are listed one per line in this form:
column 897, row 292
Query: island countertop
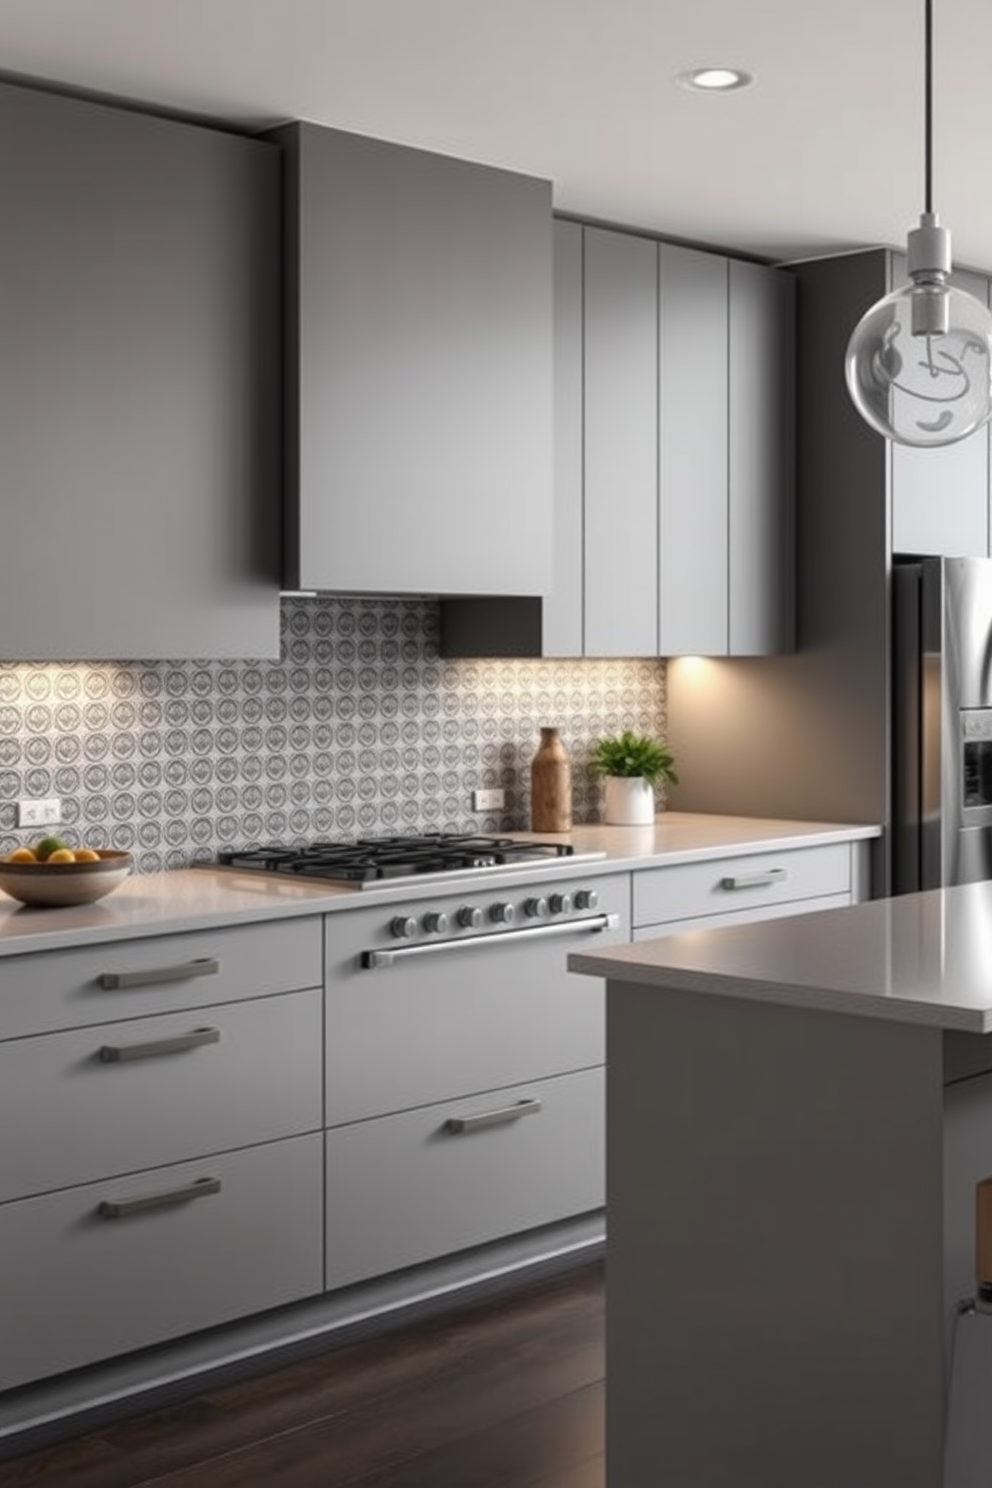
column 919, row 959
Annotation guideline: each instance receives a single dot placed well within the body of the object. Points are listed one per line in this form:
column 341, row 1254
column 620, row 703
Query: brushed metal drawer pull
column 116, row 1053
column 124, row 1208
column 766, row 880
column 112, row 981
column 592, row 924
column 456, row 1125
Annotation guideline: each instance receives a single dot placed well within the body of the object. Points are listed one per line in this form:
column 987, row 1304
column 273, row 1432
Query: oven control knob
column 586, row 899
column 469, row 917
column 404, row 927
column 501, row 914
column 435, row 923
column 536, row 909
column 561, row 904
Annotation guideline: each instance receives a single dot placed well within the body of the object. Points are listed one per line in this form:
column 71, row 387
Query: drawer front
column 742, row 916
column 729, row 885
column 466, row 1020
column 65, row 989
column 179, row 1087
column 403, row 1189
column 77, row 1287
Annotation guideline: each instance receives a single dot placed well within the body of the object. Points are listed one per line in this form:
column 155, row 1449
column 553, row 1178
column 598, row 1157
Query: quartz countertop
column 202, row 897
column 919, row 958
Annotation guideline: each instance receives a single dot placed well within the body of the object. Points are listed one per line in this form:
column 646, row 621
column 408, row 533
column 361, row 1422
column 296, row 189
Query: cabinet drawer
column 775, row 911
column 729, row 885
column 76, row 1286
column 180, row 1086
column 157, row 974
column 405, row 1188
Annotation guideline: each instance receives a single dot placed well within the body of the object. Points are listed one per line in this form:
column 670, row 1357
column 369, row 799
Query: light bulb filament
column 943, row 364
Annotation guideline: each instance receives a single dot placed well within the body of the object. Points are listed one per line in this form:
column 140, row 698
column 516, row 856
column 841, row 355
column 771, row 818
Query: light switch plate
column 43, row 812
column 489, row 800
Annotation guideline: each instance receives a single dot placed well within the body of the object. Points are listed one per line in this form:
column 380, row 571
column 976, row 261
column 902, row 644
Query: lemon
column 61, row 855
column 44, row 849
column 87, row 855
column 21, row 855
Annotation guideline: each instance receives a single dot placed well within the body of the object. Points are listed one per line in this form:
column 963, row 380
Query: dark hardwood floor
column 503, row 1394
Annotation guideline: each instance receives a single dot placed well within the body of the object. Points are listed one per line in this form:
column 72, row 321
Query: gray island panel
column 797, row 1115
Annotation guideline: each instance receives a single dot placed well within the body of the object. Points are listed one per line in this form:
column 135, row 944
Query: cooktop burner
column 373, row 860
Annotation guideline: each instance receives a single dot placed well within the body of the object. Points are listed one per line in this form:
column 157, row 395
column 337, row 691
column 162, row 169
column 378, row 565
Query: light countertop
column 919, row 958
column 198, row 898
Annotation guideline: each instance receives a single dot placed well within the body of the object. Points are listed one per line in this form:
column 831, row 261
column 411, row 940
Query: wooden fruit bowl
column 65, row 883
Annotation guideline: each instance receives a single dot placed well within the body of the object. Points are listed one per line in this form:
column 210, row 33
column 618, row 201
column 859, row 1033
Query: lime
column 44, row 849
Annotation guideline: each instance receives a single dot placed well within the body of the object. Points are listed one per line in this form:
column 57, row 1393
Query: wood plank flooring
column 507, row 1393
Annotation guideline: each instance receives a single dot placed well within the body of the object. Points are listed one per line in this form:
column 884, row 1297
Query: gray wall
column 358, row 729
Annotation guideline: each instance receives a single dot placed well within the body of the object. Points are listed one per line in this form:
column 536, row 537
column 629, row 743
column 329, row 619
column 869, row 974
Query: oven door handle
column 372, row 960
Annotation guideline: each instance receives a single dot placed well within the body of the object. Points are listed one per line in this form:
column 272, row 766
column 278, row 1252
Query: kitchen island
column 797, row 1115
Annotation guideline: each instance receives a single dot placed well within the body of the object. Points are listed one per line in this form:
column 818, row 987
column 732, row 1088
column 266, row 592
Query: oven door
column 437, row 1018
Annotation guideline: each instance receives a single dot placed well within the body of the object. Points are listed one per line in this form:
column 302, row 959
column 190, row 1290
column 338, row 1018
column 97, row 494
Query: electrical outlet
column 39, row 813
column 488, row 800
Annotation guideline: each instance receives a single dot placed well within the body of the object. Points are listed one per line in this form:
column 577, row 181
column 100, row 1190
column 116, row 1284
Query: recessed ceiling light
column 714, row 79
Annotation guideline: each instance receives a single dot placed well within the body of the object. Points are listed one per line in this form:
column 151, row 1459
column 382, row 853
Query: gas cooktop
column 372, row 862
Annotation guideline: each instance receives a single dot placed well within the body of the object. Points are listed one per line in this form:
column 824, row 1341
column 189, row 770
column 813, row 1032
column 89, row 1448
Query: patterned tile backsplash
column 360, row 729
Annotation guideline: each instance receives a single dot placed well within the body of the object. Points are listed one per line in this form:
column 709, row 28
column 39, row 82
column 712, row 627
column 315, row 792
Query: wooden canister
column 551, row 785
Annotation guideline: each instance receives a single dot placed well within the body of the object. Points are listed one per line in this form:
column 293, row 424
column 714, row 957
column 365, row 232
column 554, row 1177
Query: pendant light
column 919, row 362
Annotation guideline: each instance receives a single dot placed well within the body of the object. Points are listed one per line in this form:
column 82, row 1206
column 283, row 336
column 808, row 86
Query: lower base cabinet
column 82, row 1282
column 421, row 1184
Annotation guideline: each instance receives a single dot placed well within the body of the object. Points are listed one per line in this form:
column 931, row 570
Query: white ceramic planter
column 629, row 801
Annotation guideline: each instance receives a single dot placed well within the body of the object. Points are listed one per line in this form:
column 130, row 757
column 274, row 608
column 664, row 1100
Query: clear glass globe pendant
column 919, row 362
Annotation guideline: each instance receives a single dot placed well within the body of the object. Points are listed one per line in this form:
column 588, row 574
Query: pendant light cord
column 928, row 107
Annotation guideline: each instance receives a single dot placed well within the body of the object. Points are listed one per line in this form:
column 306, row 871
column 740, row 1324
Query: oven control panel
column 525, row 912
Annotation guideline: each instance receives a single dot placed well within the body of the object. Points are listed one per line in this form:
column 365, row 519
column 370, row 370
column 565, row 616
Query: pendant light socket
column 928, row 247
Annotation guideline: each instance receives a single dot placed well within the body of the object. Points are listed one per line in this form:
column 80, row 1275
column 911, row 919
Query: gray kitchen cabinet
column 620, row 432
column 735, row 890
column 162, row 1101
column 494, row 1128
column 79, row 1284
column 419, row 370
column 761, row 461
column 674, row 461
column 443, row 1184
column 561, row 611
column 693, row 531
column 139, row 392
column 726, row 478
column 940, row 497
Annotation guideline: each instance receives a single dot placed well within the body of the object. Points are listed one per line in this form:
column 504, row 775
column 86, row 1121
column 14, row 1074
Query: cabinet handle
column 456, row 1125
column 124, row 1208
column 116, row 1053
column 112, row 981
column 371, row 960
column 765, row 880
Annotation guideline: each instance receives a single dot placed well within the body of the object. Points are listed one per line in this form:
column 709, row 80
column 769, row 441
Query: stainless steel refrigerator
column 941, row 722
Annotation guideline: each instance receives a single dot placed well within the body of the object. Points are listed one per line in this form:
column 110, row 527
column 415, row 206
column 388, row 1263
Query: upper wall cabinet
column 418, row 363
column 940, row 497
column 674, row 460
column 139, row 392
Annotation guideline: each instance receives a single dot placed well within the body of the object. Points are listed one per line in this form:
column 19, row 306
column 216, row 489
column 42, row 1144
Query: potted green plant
column 632, row 765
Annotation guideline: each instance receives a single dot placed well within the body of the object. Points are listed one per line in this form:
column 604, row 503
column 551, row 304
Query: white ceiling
column 823, row 153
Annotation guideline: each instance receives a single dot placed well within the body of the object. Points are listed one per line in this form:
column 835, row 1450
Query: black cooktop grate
column 394, row 857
